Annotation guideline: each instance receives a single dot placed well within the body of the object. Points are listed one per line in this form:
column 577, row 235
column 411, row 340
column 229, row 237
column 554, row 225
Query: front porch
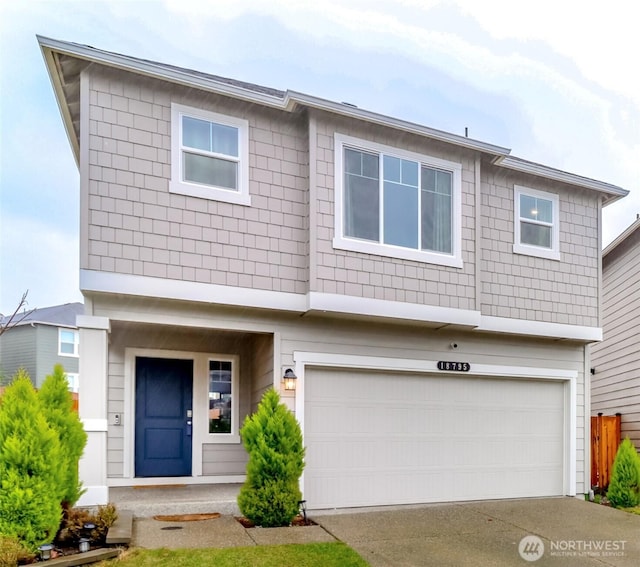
column 147, row 501
column 163, row 405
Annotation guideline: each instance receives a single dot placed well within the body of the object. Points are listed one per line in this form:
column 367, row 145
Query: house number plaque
column 455, row 366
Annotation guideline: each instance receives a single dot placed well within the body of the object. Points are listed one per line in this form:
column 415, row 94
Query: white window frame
column 178, row 185
column 73, row 379
column 76, row 342
column 234, row 435
column 343, row 242
column 552, row 253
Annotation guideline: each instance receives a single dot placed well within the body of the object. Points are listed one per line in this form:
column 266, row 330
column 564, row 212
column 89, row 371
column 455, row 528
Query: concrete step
column 122, row 529
column 176, row 499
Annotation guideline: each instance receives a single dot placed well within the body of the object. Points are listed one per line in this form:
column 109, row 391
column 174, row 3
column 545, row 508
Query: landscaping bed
column 298, row 521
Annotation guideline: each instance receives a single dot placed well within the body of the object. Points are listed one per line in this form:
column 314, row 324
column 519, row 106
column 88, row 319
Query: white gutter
column 289, row 102
column 381, row 119
column 518, row 164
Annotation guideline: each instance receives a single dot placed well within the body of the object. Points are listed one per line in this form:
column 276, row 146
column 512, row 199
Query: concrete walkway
column 572, row 532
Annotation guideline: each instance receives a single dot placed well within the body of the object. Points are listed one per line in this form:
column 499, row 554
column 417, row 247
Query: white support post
column 92, row 403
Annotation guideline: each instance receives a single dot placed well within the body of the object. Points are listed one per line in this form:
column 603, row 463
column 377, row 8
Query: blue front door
column 164, row 392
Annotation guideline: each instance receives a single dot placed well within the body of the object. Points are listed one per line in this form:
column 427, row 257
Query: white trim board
column 291, row 101
column 335, row 303
column 92, row 281
column 172, row 480
column 330, row 360
column 94, row 496
column 145, row 286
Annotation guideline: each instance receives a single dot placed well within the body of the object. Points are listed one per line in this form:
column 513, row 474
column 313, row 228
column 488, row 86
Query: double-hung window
column 68, row 342
column 209, row 155
column 536, row 223
column 395, row 203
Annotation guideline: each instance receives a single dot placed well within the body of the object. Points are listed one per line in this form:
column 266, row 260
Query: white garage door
column 377, row 438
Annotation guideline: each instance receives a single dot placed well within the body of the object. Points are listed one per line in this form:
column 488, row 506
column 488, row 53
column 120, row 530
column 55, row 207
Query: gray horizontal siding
column 328, row 335
column 615, row 386
column 18, row 349
column 218, row 460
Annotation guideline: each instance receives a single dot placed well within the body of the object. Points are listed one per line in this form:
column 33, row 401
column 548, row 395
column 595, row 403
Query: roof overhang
column 289, row 101
column 631, row 229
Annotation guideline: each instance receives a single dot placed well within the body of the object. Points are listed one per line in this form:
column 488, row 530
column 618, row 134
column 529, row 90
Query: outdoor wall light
column 45, row 551
column 289, row 379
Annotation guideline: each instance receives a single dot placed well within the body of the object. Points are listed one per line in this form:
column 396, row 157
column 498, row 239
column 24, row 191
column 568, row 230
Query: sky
column 555, row 82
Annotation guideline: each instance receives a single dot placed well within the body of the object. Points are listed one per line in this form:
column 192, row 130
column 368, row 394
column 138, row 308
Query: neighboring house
column 615, row 384
column 39, row 341
column 434, row 295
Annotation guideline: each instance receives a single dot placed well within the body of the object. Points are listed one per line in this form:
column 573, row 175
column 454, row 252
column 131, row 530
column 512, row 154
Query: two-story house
column 434, row 295
column 41, row 339
column 615, row 384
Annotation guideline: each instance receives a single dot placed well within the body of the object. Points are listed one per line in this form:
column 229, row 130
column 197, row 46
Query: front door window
column 220, row 396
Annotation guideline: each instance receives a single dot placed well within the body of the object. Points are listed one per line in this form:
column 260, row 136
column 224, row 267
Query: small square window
column 209, row 155
column 68, row 341
column 536, row 223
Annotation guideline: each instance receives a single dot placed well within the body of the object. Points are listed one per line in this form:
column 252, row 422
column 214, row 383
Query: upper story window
column 68, row 341
column 395, row 203
column 223, row 398
column 537, row 228
column 209, row 155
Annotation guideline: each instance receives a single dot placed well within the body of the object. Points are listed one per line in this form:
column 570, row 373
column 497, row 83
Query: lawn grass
column 296, row 555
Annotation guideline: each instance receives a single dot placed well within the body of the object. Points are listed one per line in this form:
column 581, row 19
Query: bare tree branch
column 15, row 318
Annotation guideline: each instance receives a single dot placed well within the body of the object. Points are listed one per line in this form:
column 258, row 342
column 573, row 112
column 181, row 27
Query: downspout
column 587, row 419
column 478, row 233
column 587, row 366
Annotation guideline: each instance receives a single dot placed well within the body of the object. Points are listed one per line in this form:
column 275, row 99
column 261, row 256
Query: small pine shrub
column 272, row 437
column 57, row 406
column 624, row 487
column 29, row 467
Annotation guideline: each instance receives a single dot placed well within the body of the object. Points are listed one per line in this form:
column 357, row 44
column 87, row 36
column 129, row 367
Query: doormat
column 187, row 517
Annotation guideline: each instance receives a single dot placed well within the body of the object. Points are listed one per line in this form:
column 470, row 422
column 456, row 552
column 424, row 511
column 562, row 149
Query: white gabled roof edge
column 155, row 70
column 291, row 100
column 288, row 102
column 518, row 164
column 635, row 225
column 398, row 124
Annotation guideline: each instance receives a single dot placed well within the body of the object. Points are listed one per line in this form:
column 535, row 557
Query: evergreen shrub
column 57, row 407
column 624, row 486
column 30, row 491
column 270, row 495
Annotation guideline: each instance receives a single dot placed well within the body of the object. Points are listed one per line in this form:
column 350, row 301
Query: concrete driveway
column 563, row 532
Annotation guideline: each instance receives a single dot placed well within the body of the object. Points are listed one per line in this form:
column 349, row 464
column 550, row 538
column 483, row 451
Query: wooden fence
column 605, row 438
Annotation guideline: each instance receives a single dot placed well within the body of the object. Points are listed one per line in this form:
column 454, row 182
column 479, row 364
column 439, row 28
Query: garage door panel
column 376, row 438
